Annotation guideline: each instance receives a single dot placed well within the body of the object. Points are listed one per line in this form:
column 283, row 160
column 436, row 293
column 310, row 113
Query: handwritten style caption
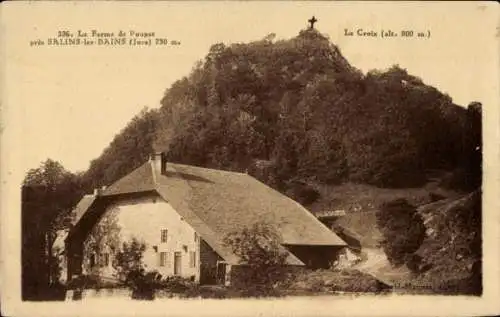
column 129, row 38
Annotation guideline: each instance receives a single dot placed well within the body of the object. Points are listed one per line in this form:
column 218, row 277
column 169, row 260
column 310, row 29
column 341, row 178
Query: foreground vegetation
column 303, row 283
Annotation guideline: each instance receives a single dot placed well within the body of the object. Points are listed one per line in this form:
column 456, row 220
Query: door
column 177, row 263
column 221, row 273
column 208, row 274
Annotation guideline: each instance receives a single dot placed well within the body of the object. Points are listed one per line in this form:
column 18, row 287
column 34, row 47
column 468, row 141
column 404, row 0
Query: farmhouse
column 182, row 213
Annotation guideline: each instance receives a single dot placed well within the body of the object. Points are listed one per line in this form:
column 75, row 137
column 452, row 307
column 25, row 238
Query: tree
column 403, row 230
column 58, row 191
column 300, row 104
column 48, row 195
column 131, row 270
column 260, row 252
column 128, row 260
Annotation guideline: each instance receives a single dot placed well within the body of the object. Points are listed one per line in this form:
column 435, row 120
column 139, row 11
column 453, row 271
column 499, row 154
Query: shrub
column 177, row 284
column 414, row 262
column 130, row 270
column 402, row 228
column 261, row 257
column 129, row 259
column 302, row 193
column 143, row 284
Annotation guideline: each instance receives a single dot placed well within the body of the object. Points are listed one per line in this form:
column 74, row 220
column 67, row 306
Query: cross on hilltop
column 312, row 21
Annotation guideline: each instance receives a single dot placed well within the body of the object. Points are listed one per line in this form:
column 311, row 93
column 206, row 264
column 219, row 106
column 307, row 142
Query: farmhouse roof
column 82, row 207
column 216, row 202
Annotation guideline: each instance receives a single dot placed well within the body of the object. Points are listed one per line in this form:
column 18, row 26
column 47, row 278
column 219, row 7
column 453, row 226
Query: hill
column 300, row 107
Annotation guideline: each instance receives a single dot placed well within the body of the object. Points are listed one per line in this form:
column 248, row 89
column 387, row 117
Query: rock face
column 454, row 247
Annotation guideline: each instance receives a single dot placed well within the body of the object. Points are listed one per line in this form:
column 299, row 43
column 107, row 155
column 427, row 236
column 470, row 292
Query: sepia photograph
column 272, row 153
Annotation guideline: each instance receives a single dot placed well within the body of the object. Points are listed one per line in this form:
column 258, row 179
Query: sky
column 67, row 103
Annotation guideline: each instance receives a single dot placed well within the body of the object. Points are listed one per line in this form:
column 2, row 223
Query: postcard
column 249, row 158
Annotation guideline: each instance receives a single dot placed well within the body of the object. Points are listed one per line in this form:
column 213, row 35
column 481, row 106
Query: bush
column 262, row 258
column 402, row 228
column 302, row 193
column 143, row 284
column 177, row 284
column 414, row 262
column 130, row 270
column 129, row 259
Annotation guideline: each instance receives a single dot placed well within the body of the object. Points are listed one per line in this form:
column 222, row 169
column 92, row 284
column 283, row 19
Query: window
column 104, row 259
column 164, row 235
column 195, row 237
column 192, row 259
column 163, row 258
column 92, row 260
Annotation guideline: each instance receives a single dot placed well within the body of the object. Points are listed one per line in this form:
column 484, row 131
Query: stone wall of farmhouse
column 168, row 238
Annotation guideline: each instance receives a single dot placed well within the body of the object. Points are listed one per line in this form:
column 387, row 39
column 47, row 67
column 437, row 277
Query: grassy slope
column 360, row 201
column 362, row 198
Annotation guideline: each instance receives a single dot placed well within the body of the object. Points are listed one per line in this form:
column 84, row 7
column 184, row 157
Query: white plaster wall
column 144, row 219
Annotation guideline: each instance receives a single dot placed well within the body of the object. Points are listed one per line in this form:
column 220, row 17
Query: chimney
column 159, row 162
column 99, row 191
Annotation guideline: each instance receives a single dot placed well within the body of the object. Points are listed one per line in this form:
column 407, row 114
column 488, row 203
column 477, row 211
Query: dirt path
column 376, row 259
column 378, row 266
